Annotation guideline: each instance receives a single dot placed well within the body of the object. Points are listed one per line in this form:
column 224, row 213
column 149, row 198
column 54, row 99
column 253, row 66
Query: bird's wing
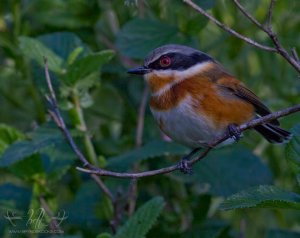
column 235, row 87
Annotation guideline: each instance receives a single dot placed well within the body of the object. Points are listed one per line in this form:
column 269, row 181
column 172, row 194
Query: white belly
column 184, row 125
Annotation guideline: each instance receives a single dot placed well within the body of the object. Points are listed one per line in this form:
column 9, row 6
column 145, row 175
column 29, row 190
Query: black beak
column 140, row 70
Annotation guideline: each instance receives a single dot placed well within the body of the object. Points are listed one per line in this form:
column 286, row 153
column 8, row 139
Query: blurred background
column 90, row 45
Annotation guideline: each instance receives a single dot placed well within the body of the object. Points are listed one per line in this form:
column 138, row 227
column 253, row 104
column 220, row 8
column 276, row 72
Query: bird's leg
column 234, row 132
column 183, row 164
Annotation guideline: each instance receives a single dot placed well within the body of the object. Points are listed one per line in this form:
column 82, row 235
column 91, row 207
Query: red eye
column 165, row 61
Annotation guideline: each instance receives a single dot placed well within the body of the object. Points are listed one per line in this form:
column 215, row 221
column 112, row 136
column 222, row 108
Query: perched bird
column 194, row 99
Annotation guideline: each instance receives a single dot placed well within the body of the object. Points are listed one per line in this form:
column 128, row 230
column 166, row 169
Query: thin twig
column 269, row 15
column 56, row 115
column 57, row 118
column 132, row 191
column 103, row 187
column 295, row 55
column 53, row 223
column 283, row 52
column 132, row 196
column 268, row 29
column 228, row 29
column 141, row 117
column 243, row 127
column 248, row 15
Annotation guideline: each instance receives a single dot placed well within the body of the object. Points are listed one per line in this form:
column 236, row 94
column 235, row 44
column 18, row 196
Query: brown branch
column 248, row 15
column 132, row 196
column 59, row 121
column 172, row 168
column 267, row 29
column 132, row 191
column 295, row 55
column 269, row 15
column 141, row 117
column 228, row 29
column 103, row 187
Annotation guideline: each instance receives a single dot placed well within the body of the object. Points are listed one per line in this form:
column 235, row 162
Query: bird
column 195, row 100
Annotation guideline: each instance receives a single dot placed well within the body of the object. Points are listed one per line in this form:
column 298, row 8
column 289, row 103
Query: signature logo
column 37, row 219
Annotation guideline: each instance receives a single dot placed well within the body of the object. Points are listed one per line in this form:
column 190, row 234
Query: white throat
column 178, row 75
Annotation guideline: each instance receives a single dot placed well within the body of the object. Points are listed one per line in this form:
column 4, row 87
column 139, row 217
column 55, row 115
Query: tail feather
column 273, row 134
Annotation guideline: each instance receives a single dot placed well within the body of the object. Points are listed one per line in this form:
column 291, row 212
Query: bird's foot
column 184, row 166
column 234, row 132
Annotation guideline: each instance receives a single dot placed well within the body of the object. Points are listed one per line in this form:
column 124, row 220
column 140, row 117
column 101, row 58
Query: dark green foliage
column 237, row 169
column 245, row 190
column 139, row 36
column 263, row 196
column 293, row 151
column 151, row 150
column 144, row 218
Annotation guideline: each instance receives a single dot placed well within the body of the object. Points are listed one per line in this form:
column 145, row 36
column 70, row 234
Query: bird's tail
column 273, row 134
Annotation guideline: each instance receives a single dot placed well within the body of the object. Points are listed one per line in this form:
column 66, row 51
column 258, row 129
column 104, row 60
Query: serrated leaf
column 8, row 135
column 139, row 36
column 36, row 50
column 87, row 65
column 227, row 170
column 142, row 221
column 148, row 151
column 292, row 151
column 266, row 196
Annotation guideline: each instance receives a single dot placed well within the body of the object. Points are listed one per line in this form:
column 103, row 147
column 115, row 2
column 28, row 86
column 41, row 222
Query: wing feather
column 234, row 87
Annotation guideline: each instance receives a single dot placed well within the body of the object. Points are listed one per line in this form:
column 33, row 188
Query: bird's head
column 170, row 64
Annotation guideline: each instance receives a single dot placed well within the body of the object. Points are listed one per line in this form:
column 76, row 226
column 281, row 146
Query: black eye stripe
column 181, row 61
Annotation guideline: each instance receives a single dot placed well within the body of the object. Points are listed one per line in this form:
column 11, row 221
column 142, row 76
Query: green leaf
column 28, row 168
column 87, row 65
column 148, row 151
column 138, row 37
column 35, row 50
column 142, row 221
column 41, row 139
column 8, row 135
column 104, row 106
column 64, row 44
column 104, row 235
column 74, row 55
column 227, row 170
column 292, row 151
column 266, row 196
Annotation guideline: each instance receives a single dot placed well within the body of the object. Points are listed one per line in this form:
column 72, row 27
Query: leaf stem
column 90, row 150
